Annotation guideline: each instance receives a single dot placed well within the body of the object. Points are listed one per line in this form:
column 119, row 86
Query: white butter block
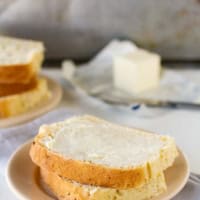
column 137, row 72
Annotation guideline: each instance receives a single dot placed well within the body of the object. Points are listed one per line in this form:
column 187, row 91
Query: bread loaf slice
column 16, row 88
column 65, row 189
column 92, row 151
column 19, row 103
column 20, row 59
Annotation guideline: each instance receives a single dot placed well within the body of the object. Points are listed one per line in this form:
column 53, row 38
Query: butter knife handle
column 174, row 104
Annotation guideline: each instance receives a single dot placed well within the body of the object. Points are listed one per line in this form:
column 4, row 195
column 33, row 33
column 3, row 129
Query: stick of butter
column 137, row 72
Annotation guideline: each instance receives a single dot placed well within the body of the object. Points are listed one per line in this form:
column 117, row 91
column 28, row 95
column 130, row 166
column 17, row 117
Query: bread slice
column 96, row 152
column 20, row 59
column 65, row 189
column 19, row 103
column 16, row 88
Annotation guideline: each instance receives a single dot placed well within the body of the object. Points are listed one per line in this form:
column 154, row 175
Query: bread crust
column 16, row 88
column 87, row 173
column 99, row 175
column 13, row 105
column 65, row 189
column 16, row 74
column 21, row 73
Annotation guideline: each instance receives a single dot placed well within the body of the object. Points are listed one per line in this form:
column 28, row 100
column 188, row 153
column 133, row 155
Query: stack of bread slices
column 87, row 158
column 20, row 87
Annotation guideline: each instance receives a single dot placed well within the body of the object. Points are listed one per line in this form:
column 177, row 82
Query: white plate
column 40, row 109
column 22, row 177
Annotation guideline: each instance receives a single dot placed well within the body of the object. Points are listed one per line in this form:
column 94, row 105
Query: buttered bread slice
column 96, row 152
column 20, row 59
column 65, row 189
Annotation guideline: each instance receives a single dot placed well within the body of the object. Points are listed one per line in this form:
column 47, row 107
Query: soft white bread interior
column 65, row 189
column 18, row 51
column 96, row 152
column 19, row 103
column 20, row 59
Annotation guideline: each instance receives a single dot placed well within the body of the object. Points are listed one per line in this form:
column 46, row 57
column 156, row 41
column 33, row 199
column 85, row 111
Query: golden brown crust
column 65, row 189
column 14, row 88
column 92, row 174
column 4, row 112
column 21, row 73
column 62, row 189
column 16, row 74
column 16, row 104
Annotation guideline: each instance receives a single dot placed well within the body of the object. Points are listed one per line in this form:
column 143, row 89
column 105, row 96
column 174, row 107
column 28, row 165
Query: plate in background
column 21, row 177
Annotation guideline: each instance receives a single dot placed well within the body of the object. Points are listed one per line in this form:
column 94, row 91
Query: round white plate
column 40, row 109
column 22, row 177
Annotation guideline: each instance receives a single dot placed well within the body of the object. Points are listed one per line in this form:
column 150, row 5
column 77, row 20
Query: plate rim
column 20, row 195
column 184, row 182
column 8, row 171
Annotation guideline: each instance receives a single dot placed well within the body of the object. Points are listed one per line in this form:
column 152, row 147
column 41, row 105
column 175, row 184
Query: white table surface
column 183, row 125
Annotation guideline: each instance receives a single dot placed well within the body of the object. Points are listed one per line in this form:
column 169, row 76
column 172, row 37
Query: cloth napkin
column 96, row 78
column 12, row 138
